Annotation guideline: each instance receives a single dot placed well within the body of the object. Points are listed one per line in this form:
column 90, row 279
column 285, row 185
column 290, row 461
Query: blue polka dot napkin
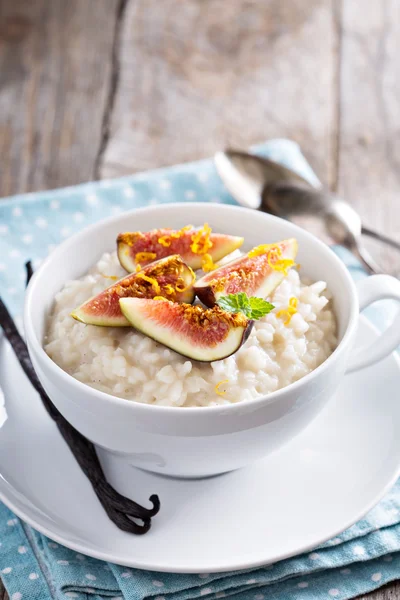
column 33, row 567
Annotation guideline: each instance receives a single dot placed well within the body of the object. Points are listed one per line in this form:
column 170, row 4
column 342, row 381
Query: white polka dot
column 2, row 267
column 376, row 577
column 15, row 253
column 302, row 585
column 205, row 591
column 79, row 217
column 222, row 595
column 393, row 512
column 129, row 192
column 345, row 571
column 7, row 570
column 27, row 239
column 158, row 583
column 80, row 556
column 12, row 522
column 22, row 549
column 333, row 592
column 42, row 223
column 90, row 577
column 63, row 562
column 336, row 541
column 358, row 550
column 54, row 205
column 202, row 176
column 388, row 558
column 126, row 574
column 259, row 597
column 204, row 575
column 165, row 184
column 33, row 576
column 189, row 194
column 65, row 232
column 313, row 556
column 250, row 581
column 16, row 596
column 3, row 229
column 71, row 594
column 17, row 211
column 92, row 199
column 53, row 545
column 90, row 590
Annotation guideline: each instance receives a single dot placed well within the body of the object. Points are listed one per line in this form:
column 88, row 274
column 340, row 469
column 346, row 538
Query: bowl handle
column 371, row 289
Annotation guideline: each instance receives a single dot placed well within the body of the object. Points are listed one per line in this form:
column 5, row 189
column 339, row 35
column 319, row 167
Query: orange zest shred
column 169, row 289
column 287, row 313
column 138, row 267
column 151, row 280
column 217, row 390
column 208, row 264
column 145, row 256
column 113, row 277
column 166, row 240
column 201, row 242
column 274, row 254
column 181, row 286
column 177, row 234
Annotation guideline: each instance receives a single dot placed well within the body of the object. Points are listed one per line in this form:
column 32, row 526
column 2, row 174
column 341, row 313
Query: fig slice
column 194, row 331
column 134, row 247
column 257, row 273
column 169, row 277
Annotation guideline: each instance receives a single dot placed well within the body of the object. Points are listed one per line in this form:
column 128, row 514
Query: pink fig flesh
column 200, row 334
column 131, row 244
column 169, row 277
column 255, row 275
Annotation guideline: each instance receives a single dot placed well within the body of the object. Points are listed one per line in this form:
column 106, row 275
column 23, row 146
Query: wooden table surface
column 102, row 88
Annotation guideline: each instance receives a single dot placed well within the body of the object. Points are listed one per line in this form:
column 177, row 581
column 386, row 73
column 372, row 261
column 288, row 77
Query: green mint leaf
column 253, row 308
column 235, row 303
column 259, row 307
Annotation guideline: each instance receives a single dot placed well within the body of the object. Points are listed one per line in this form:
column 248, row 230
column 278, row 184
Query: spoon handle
column 379, row 236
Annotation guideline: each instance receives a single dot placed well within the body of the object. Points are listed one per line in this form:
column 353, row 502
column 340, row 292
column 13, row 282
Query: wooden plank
column 201, row 74
column 55, row 73
column 369, row 139
column 388, row 592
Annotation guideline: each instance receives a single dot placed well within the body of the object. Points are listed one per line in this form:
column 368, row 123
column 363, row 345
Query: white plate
column 316, row 486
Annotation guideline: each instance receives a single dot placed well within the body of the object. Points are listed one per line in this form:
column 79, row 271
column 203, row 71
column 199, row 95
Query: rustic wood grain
column 388, row 592
column 369, row 140
column 55, row 71
column 198, row 75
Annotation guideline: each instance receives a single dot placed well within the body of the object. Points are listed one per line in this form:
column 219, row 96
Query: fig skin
column 240, row 275
column 187, row 329
column 131, row 243
column 133, row 285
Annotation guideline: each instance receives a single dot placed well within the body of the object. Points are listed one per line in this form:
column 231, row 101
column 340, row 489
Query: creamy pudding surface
column 282, row 348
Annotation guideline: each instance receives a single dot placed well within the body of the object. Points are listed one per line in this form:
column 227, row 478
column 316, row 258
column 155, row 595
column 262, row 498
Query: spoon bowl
column 262, row 184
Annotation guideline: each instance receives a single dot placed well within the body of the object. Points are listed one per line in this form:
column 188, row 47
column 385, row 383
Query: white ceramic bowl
column 196, row 442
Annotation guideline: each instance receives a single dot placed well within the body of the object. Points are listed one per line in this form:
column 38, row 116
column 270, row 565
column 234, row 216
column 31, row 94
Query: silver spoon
column 265, row 185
